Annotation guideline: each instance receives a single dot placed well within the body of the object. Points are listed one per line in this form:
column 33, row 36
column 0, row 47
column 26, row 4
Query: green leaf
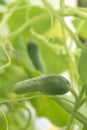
column 81, row 27
column 19, row 17
column 40, row 26
column 48, row 108
column 82, row 3
column 3, row 123
column 1, row 16
column 55, row 60
column 3, row 57
column 84, row 128
column 2, row 2
column 9, row 77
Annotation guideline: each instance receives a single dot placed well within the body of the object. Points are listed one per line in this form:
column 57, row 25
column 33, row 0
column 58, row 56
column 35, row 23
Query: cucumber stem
column 73, row 92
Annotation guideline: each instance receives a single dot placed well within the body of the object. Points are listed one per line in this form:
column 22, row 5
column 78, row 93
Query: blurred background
column 21, row 22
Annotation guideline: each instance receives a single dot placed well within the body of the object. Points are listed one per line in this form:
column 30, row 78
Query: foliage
column 22, row 22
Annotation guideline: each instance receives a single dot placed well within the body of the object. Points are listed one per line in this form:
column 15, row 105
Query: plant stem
column 27, row 24
column 73, row 92
column 62, row 3
column 76, row 107
column 72, row 117
column 8, row 15
column 69, row 11
column 71, row 58
column 79, row 116
column 73, row 35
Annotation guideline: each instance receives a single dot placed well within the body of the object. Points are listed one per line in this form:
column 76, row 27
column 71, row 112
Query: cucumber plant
column 50, row 32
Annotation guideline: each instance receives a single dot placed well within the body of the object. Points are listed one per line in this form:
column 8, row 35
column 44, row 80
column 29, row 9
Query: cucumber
column 35, row 55
column 50, row 84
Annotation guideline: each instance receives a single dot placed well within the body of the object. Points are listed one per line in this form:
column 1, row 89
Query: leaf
column 81, row 27
column 19, row 17
column 84, row 128
column 23, row 118
column 3, row 123
column 3, row 57
column 56, row 31
column 2, row 2
column 55, row 60
column 1, row 16
column 48, row 108
column 40, row 26
column 9, row 77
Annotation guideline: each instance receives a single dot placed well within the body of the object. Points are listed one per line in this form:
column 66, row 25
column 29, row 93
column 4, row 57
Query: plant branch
column 27, row 24
column 79, row 116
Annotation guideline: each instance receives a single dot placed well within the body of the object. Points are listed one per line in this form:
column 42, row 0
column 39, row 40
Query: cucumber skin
column 51, row 84
column 34, row 53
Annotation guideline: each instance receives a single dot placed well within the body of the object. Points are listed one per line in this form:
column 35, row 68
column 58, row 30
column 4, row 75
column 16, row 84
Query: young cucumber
column 51, row 84
column 34, row 53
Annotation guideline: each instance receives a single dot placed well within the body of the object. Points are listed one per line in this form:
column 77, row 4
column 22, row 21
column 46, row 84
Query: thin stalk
column 29, row 121
column 8, row 15
column 27, row 24
column 74, row 36
column 81, row 9
column 53, row 11
column 79, row 116
column 76, row 107
column 62, row 3
column 69, row 54
column 72, row 116
column 75, row 12
column 73, row 92
column 8, row 57
column 64, row 104
column 84, row 100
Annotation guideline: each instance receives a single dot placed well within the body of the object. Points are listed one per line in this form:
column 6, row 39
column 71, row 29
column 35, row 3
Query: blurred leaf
column 3, row 57
column 84, row 128
column 2, row 2
column 3, row 125
column 82, row 28
column 9, row 77
column 82, row 3
column 1, row 16
column 23, row 117
column 48, row 108
column 19, row 17
column 41, row 26
column 56, row 31
column 55, row 60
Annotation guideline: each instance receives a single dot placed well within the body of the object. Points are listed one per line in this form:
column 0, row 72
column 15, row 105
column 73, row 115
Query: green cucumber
column 50, row 84
column 35, row 55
